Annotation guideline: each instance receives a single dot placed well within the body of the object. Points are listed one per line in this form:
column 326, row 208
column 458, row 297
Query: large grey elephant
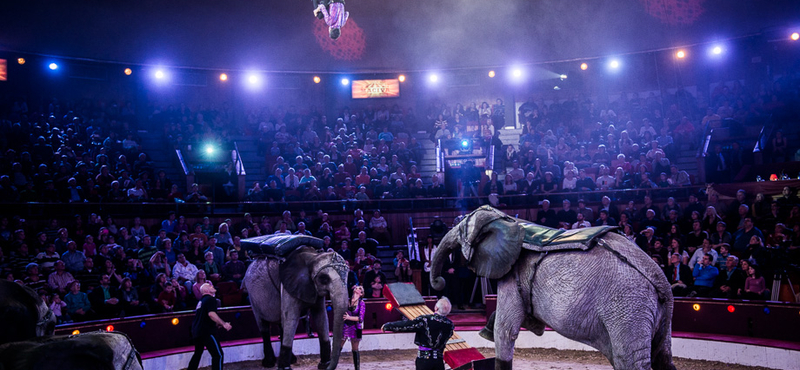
column 589, row 285
column 87, row 351
column 27, row 343
column 283, row 291
column 23, row 314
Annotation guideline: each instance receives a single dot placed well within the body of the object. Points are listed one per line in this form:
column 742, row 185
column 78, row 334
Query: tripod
column 486, row 288
column 776, row 285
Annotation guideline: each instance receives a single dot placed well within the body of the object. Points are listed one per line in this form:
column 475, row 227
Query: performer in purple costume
column 332, row 11
column 354, row 323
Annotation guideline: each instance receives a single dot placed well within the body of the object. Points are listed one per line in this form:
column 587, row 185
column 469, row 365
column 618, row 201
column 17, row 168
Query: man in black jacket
column 204, row 327
column 730, row 280
column 432, row 334
column 679, row 276
column 546, row 216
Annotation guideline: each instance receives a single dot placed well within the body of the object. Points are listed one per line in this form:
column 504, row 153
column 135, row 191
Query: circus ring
column 747, row 333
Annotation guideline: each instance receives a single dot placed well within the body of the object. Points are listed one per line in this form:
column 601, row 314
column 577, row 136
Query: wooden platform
column 457, row 354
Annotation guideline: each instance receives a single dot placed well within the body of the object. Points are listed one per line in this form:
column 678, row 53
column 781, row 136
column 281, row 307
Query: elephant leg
column 630, row 342
column 290, row 319
column 320, row 317
column 269, row 353
column 509, row 318
column 488, row 331
column 534, row 325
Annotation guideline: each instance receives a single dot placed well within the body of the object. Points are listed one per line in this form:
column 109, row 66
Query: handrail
column 237, row 160
column 188, row 173
column 702, row 149
column 490, row 160
column 241, row 174
column 452, row 203
column 182, row 161
column 439, row 157
column 764, row 135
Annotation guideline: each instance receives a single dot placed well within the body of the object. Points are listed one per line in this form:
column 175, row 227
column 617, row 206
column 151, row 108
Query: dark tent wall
column 381, row 35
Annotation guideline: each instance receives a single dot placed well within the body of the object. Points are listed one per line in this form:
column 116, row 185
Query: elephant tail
column 661, row 345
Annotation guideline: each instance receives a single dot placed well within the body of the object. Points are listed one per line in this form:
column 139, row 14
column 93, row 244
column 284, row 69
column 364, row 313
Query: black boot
column 357, row 360
column 488, row 331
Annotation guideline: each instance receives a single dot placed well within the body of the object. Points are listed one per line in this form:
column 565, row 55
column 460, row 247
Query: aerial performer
column 332, row 11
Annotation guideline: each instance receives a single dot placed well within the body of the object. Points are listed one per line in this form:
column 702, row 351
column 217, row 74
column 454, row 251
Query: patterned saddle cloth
column 540, row 238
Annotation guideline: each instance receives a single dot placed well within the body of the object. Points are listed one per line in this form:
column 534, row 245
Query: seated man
column 679, row 276
column 704, row 275
column 184, row 271
column 729, row 280
column 104, row 299
column 234, row 269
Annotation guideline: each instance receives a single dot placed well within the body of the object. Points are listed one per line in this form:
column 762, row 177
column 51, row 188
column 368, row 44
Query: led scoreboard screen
column 365, row 89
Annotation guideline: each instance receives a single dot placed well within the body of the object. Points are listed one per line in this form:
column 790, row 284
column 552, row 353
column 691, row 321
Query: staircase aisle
column 253, row 163
column 427, row 162
column 163, row 157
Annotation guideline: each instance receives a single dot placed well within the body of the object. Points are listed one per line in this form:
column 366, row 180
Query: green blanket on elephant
column 544, row 239
column 279, row 245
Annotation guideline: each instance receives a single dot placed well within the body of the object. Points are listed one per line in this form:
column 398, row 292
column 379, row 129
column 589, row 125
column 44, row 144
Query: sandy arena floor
column 524, row 359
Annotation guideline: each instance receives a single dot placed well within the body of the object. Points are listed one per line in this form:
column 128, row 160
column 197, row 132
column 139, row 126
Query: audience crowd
column 97, row 268
column 91, row 267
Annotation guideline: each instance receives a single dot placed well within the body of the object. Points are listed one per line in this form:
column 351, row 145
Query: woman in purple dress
column 354, row 322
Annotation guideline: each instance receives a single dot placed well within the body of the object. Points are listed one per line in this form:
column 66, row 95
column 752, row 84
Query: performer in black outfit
column 433, row 332
column 205, row 324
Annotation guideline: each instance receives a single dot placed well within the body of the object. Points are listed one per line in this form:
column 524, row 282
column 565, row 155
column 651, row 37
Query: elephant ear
column 296, row 275
column 492, row 242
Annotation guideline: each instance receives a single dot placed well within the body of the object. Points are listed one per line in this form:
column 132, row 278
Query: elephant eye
column 324, row 279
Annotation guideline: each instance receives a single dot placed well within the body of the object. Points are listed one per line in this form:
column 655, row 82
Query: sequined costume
column 432, row 333
column 352, row 329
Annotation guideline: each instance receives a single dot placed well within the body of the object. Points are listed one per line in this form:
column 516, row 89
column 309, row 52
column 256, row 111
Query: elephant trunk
column 339, row 302
column 446, row 246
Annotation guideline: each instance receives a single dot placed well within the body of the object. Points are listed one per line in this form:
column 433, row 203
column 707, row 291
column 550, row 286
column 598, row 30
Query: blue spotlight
column 53, row 66
column 614, row 64
column 345, row 81
column 433, row 77
column 716, row 50
column 159, row 74
column 465, row 143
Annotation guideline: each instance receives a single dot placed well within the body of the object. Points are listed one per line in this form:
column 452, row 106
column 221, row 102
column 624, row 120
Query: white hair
column 443, row 306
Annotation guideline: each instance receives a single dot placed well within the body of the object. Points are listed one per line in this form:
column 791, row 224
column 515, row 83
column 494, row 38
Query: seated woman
column 755, row 287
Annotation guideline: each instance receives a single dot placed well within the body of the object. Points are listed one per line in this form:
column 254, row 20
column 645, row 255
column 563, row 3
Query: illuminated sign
column 364, row 89
column 3, row 70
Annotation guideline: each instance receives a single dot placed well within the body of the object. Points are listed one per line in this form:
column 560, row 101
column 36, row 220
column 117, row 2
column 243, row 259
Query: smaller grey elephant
column 283, row 291
column 591, row 285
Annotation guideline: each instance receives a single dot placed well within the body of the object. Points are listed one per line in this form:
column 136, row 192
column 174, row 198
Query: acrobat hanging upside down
column 334, row 14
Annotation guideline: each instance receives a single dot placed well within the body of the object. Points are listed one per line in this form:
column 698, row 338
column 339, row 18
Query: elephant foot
column 323, row 365
column 285, row 358
column 268, row 362
column 487, row 334
column 502, row 365
column 488, row 331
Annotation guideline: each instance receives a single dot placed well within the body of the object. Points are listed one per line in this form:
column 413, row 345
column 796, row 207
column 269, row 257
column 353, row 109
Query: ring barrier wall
column 753, row 333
